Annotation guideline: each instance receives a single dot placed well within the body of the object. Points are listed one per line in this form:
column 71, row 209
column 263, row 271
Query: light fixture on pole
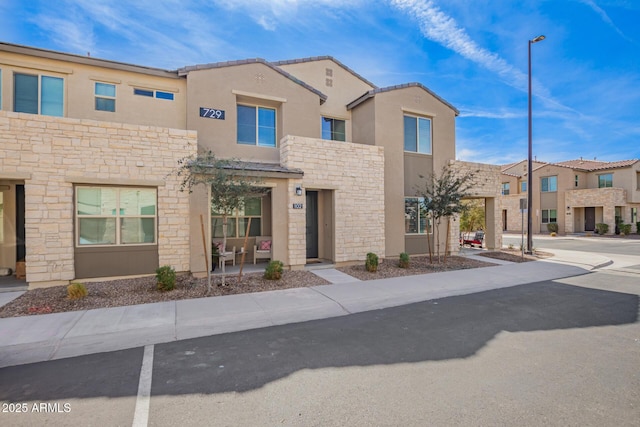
column 529, row 162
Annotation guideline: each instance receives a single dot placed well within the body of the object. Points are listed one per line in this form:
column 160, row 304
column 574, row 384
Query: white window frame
column 428, row 223
column 333, row 120
column 257, row 108
column 95, row 90
column 506, row 186
column 117, row 216
column 555, row 178
column 418, row 118
column 602, row 175
column 548, row 211
column 39, row 89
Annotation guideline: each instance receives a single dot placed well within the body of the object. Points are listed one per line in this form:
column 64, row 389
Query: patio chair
column 224, row 256
column 263, row 248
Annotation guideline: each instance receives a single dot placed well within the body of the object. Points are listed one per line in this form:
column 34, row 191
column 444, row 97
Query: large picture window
column 115, row 215
column 38, row 94
column 333, row 129
column 256, row 126
column 417, row 134
column 238, row 222
column 416, row 217
column 549, row 184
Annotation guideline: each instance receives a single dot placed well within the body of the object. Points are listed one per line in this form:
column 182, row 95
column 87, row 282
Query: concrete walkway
column 54, row 336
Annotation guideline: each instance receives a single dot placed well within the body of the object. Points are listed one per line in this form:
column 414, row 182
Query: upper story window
column 549, row 184
column 115, row 215
column 575, row 182
column 605, row 180
column 523, row 187
column 505, row 188
column 105, row 97
column 333, row 129
column 417, row 134
column 256, row 125
column 38, row 94
column 0, row 89
column 153, row 93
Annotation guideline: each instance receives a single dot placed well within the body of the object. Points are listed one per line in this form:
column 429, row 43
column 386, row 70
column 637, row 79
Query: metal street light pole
column 529, row 162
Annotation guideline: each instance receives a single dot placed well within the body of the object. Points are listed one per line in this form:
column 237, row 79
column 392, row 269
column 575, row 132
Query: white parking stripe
column 141, row 415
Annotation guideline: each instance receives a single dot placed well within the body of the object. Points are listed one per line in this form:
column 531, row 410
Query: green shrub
column 552, row 227
column 77, row 291
column 404, row 260
column 166, row 277
column 371, row 264
column 602, row 228
column 273, row 270
column 625, row 229
column 637, row 227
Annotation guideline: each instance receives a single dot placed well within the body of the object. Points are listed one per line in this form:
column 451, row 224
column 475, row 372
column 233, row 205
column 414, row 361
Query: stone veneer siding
column 51, row 154
column 355, row 172
column 487, row 185
column 606, row 198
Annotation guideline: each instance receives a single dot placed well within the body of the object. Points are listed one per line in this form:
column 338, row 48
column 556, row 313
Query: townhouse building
column 89, row 148
column 575, row 194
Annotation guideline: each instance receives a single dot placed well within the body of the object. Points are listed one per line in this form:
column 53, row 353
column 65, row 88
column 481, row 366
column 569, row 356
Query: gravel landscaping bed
column 143, row 290
column 417, row 265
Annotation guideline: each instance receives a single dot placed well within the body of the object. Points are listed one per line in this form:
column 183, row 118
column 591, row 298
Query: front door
column 589, row 219
column 21, row 251
column 312, row 224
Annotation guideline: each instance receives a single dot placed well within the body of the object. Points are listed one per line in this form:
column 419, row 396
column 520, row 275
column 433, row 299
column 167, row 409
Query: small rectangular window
column 164, row 95
column 333, row 129
column 523, row 187
column 143, row 92
column 416, row 217
column 105, row 97
column 549, row 215
column 505, row 188
column 605, row 180
column 417, row 134
column 256, row 126
column 576, row 181
column 549, row 184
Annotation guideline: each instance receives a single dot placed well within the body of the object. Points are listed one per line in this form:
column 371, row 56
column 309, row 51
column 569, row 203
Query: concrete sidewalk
column 54, row 336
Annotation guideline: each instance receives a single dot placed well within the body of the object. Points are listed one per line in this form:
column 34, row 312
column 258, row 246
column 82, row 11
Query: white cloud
column 597, row 9
column 73, row 34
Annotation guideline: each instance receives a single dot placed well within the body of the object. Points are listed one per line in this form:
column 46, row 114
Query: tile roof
column 594, row 165
column 375, row 91
column 323, row 58
column 186, row 70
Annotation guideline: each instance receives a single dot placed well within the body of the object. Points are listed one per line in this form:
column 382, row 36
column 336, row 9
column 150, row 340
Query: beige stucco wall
column 340, row 86
column 297, row 108
column 79, row 88
column 52, row 154
column 355, row 175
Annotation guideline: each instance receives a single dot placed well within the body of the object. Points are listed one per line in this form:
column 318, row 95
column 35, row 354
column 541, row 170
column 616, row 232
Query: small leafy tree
column 230, row 184
column 473, row 215
column 442, row 196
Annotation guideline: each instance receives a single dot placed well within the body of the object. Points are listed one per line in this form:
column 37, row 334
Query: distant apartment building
column 88, row 147
column 575, row 194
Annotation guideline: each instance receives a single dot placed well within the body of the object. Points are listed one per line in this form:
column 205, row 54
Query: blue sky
column 471, row 53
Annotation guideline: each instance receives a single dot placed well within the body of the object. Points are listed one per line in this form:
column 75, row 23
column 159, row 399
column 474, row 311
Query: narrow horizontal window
column 143, row 92
column 164, row 95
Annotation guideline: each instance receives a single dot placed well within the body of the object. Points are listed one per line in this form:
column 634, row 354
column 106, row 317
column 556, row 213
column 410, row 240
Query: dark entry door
column 312, row 224
column 21, row 251
column 589, row 219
